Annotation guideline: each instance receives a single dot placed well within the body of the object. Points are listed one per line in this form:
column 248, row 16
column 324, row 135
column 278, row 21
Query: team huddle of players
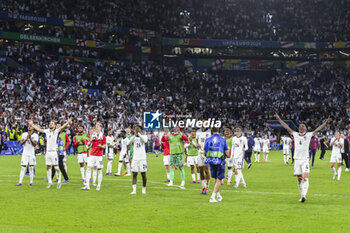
column 91, row 148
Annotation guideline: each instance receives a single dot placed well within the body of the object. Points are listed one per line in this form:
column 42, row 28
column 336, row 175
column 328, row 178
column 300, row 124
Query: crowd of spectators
column 54, row 89
column 291, row 20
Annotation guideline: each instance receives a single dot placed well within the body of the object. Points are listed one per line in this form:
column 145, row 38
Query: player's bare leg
column 207, row 178
column 167, row 169
column 198, row 174
column 144, row 182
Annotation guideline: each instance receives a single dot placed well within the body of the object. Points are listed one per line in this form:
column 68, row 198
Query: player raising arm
column 51, row 157
column 301, row 153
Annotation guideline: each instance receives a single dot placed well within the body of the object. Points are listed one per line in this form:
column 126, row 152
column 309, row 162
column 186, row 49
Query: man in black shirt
column 345, row 152
column 323, row 145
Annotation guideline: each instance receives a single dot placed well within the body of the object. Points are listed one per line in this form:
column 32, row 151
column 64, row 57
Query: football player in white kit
column 239, row 146
column 139, row 163
column 123, row 155
column 51, row 157
column 266, row 148
column 202, row 135
column 337, row 143
column 110, row 152
column 301, row 153
column 28, row 141
column 257, row 147
column 286, row 142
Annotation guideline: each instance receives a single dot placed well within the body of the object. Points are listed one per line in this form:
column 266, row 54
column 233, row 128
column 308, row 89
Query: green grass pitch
column 268, row 204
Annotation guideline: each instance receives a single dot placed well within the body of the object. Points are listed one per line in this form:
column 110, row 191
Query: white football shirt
column 124, row 146
column 201, row 137
column 110, row 140
column 301, row 145
column 336, row 149
column 51, row 139
column 257, row 143
column 28, row 148
column 238, row 144
column 266, row 143
column 286, row 142
column 139, row 147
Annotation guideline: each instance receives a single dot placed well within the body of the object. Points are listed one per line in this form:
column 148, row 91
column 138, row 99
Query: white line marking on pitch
column 177, row 186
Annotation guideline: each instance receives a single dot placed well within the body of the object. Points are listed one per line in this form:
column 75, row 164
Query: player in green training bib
column 131, row 149
column 229, row 161
column 192, row 153
column 80, row 141
column 176, row 144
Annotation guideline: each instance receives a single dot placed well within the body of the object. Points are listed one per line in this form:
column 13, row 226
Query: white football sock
column 49, row 173
column 258, row 157
column 21, row 174
column 305, row 184
column 241, row 176
column 109, row 166
column 88, row 176
column 58, row 174
column 65, row 167
column 193, row 177
column 100, row 177
column 82, row 172
column 168, row 175
column 230, row 173
column 204, row 183
column 198, row 176
column 267, row 156
column 237, row 178
column 120, row 167
column 213, row 195
column 94, row 176
column 333, row 170
column 339, row 172
column 128, row 167
column 31, row 173
column 284, row 159
column 300, row 187
column 134, row 188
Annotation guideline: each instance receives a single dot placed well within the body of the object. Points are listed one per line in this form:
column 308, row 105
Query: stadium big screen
column 174, row 116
